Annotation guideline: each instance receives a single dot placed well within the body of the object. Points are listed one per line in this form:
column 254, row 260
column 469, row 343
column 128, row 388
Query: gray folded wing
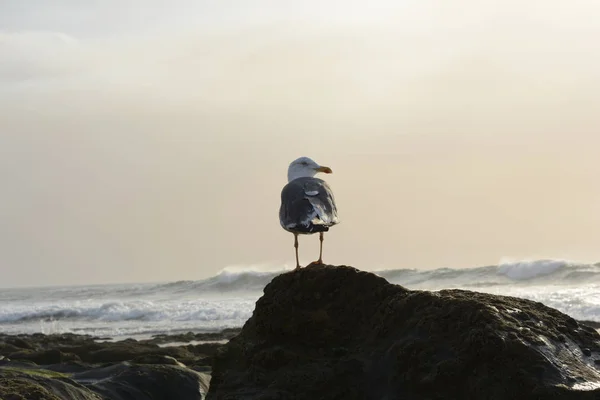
column 307, row 206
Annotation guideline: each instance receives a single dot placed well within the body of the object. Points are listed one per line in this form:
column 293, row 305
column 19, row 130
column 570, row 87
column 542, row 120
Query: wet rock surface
column 69, row 366
column 327, row 332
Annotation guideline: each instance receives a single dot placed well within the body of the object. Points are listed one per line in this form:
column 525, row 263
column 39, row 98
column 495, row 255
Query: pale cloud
column 149, row 140
column 32, row 56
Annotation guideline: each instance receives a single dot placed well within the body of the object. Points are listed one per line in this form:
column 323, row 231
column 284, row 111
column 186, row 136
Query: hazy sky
column 149, row 140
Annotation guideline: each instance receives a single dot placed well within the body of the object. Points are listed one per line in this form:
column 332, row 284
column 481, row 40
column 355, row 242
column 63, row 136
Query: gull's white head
column 304, row 167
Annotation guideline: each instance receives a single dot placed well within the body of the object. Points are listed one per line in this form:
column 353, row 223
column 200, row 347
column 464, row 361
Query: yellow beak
column 325, row 170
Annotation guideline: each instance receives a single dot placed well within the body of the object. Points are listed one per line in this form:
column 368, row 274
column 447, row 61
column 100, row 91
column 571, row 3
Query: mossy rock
column 335, row 332
column 39, row 384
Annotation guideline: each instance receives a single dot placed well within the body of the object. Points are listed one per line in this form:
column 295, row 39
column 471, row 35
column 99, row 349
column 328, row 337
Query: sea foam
column 528, row 269
column 228, row 298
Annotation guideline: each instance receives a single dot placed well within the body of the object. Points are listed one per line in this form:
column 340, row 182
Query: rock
column 18, row 364
column 53, row 349
column 7, row 348
column 207, row 369
column 117, row 352
column 225, row 334
column 204, row 349
column 26, row 384
column 81, row 367
column 121, row 381
column 127, row 350
column 45, row 357
column 591, row 324
column 20, row 343
column 157, row 359
column 154, row 382
column 70, row 367
column 326, row 332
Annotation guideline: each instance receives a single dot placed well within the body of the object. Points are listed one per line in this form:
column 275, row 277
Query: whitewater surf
column 227, row 299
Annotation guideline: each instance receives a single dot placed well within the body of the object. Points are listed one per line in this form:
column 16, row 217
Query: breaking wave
column 526, row 272
column 518, row 272
column 227, row 299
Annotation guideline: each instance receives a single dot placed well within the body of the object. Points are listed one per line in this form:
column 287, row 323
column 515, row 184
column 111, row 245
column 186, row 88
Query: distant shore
column 86, row 366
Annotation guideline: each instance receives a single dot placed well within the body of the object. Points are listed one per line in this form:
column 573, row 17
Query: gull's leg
column 320, row 261
column 296, row 246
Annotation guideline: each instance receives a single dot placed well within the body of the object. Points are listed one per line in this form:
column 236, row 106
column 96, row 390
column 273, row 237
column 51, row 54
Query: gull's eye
column 304, row 163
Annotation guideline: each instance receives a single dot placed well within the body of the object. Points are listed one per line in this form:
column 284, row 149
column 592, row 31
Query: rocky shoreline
column 335, row 332
column 327, row 332
column 69, row 366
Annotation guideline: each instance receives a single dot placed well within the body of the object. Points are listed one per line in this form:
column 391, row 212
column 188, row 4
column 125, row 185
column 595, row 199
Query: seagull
column 307, row 203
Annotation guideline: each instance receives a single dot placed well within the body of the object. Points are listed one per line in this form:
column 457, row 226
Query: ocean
column 227, row 299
